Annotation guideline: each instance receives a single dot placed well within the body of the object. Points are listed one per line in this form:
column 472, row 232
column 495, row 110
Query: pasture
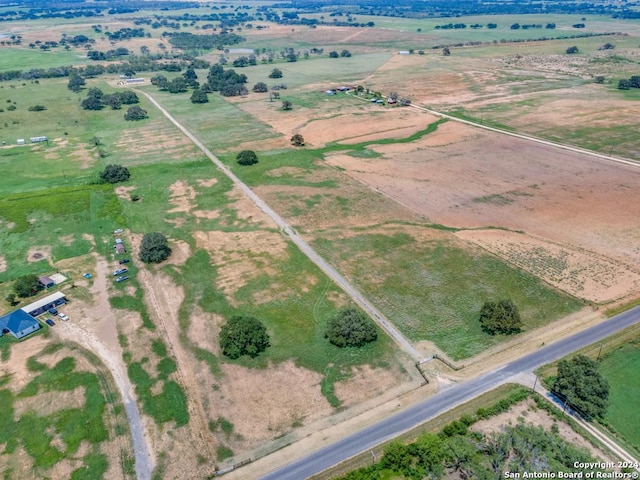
column 404, row 205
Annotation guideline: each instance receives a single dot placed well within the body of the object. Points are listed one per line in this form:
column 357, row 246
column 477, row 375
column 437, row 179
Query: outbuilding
column 18, row 323
column 120, row 248
column 39, row 307
column 46, row 282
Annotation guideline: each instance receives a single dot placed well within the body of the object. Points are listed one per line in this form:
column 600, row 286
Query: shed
column 46, row 282
column 38, row 139
column 36, row 308
column 120, row 248
column 18, row 323
column 20, row 141
column 118, row 240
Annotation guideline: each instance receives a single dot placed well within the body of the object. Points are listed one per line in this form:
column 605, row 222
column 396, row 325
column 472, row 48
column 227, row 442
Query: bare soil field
column 469, row 179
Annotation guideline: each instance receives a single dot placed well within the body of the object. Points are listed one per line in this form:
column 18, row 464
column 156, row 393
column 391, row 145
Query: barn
column 46, row 282
column 18, row 323
column 36, row 308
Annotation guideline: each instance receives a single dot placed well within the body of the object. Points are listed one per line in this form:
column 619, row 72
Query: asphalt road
column 446, row 400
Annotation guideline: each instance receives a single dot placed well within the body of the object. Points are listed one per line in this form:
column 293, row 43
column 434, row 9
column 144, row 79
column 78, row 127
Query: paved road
column 446, row 400
column 357, row 297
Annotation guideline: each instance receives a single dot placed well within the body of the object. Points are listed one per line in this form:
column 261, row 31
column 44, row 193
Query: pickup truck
column 120, row 271
column 63, row 316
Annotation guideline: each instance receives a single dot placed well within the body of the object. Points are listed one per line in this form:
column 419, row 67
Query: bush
column 260, row 87
column 115, row 174
column 572, row 50
column 582, row 386
column 297, row 140
column 275, row 73
column 37, row 108
column 199, row 96
column 247, row 157
column 243, row 335
column 135, row 113
column 350, row 328
column 154, row 248
column 500, row 317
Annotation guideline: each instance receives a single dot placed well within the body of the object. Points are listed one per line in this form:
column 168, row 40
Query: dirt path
column 163, row 311
column 97, row 333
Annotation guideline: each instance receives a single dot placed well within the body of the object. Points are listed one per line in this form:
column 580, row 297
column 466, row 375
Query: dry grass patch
column 580, row 273
column 365, row 383
column 182, row 196
column 242, row 256
column 253, row 400
column 37, row 253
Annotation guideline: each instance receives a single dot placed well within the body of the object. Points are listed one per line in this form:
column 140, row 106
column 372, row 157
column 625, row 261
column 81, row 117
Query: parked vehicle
column 53, row 311
column 119, row 230
column 124, row 260
column 63, row 316
column 122, row 279
column 87, row 275
column 50, row 322
column 120, row 271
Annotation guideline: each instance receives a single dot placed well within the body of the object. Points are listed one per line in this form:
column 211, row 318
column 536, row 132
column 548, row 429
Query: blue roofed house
column 19, row 323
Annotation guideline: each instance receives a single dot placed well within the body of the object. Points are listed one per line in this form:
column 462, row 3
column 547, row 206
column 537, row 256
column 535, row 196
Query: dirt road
column 97, row 333
column 304, row 247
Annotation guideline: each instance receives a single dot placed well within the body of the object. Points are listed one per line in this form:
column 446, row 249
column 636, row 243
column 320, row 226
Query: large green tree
column 500, row 317
column 154, row 248
column 243, row 335
column 115, row 174
column 582, row 387
column 135, row 113
column 350, row 327
column 27, row 285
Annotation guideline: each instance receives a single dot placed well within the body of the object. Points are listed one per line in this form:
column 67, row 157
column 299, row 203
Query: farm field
column 428, row 218
column 620, row 368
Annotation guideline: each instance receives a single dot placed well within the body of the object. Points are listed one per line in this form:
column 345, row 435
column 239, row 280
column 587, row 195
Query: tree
column 350, row 327
column 446, row 51
column 572, row 50
column 115, row 174
column 135, row 113
column 154, row 248
column 199, row 96
column 275, row 73
column 500, row 317
column 345, row 53
column 297, row 140
column 582, row 387
column 76, row 82
column 243, row 335
column 27, row 286
column 624, row 84
column 260, row 87
column 287, row 105
column 333, row 54
column 113, row 101
column 247, row 157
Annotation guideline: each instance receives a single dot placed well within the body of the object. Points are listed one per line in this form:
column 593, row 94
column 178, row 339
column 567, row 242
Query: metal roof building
column 36, row 308
column 18, row 323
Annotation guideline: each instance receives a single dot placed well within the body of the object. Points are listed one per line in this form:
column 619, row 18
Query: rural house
column 18, row 323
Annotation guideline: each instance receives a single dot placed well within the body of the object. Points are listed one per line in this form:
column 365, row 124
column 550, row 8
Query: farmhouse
column 36, row 308
column 46, row 282
column 18, row 323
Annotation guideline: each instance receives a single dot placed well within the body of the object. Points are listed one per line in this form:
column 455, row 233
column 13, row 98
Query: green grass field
column 621, row 368
column 434, row 291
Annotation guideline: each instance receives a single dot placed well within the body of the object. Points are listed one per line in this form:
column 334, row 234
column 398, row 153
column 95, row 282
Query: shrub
column 247, row 157
column 37, row 108
column 572, row 50
column 350, row 328
column 243, row 335
column 199, row 96
column 260, row 87
column 275, row 73
column 154, row 248
column 297, row 140
column 115, row 174
column 135, row 113
column 500, row 317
